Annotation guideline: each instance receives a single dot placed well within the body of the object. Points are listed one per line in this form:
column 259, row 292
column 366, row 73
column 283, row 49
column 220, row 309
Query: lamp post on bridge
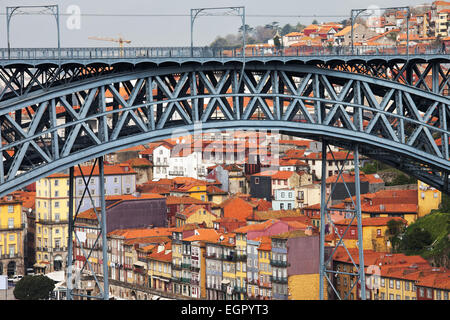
column 356, row 12
column 12, row 11
column 238, row 11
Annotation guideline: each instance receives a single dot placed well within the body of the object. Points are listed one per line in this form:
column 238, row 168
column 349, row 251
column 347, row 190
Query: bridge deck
column 180, row 55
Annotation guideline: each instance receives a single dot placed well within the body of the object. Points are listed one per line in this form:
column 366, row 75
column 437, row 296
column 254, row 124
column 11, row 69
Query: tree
column 445, row 203
column 34, row 288
column 220, row 43
column 287, row 29
column 315, row 21
column 277, row 42
column 402, row 179
column 395, row 228
column 416, row 240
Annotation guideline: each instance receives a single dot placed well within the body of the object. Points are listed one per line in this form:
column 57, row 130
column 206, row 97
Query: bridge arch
column 51, row 129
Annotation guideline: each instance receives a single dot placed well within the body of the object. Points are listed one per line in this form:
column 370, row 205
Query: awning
column 140, row 264
column 160, row 278
column 225, row 281
column 57, row 276
column 39, row 265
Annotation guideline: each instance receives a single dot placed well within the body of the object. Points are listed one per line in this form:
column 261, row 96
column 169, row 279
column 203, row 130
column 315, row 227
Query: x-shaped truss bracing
column 49, row 130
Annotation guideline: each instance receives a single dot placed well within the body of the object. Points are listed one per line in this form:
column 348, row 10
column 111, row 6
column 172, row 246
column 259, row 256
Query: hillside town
column 372, row 30
column 236, row 215
column 199, row 224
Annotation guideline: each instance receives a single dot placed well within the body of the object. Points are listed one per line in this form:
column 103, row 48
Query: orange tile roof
column 265, row 244
column 366, row 222
column 142, row 196
column 192, row 209
column 139, row 162
column 145, row 240
column 257, row 226
column 350, row 177
column 163, row 256
column 215, row 190
column 141, row 232
column 204, row 234
column 171, row 200
column 86, row 170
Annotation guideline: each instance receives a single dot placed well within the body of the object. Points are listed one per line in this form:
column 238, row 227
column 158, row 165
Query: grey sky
column 40, row 31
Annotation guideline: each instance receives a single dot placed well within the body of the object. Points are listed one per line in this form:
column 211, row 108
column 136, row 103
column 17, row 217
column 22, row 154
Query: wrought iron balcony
column 240, row 289
column 185, row 280
column 176, row 266
column 241, row 257
column 279, row 279
column 278, row 263
column 176, row 173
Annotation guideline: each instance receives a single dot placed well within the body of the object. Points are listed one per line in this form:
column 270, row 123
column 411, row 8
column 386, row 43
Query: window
column 56, row 182
column 256, row 180
column 391, row 284
column 421, row 292
column 10, row 209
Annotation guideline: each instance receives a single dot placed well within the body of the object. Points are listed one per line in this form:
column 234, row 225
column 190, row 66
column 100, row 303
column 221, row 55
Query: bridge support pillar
column 329, row 214
column 87, row 233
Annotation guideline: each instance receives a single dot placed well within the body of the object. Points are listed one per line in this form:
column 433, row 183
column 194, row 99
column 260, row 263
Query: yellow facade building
column 160, row 268
column 12, row 233
column 375, row 233
column 264, row 269
column 241, row 265
column 52, row 209
column 195, row 214
column 428, row 198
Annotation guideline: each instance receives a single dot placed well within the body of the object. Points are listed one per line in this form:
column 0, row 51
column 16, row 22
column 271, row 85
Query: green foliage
column 428, row 237
column 416, row 240
column 370, row 168
column 34, row 288
column 287, row 29
column 277, row 42
column 445, row 203
column 315, row 22
column 395, row 228
column 402, row 179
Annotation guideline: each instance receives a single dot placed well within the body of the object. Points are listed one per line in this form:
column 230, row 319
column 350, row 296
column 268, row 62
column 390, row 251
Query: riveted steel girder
column 49, row 130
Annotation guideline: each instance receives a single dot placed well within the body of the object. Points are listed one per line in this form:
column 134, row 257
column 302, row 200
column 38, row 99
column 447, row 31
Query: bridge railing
column 209, row 52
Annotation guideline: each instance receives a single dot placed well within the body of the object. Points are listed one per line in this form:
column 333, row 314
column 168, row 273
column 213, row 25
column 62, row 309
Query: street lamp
column 356, row 12
column 238, row 11
column 12, row 11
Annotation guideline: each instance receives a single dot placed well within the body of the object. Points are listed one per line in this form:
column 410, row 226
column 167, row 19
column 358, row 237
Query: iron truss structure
column 54, row 117
column 23, row 76
column 50, row 129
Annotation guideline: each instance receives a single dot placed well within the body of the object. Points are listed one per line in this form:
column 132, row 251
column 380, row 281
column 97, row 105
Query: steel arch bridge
column 48, row 129
column 59, row 112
